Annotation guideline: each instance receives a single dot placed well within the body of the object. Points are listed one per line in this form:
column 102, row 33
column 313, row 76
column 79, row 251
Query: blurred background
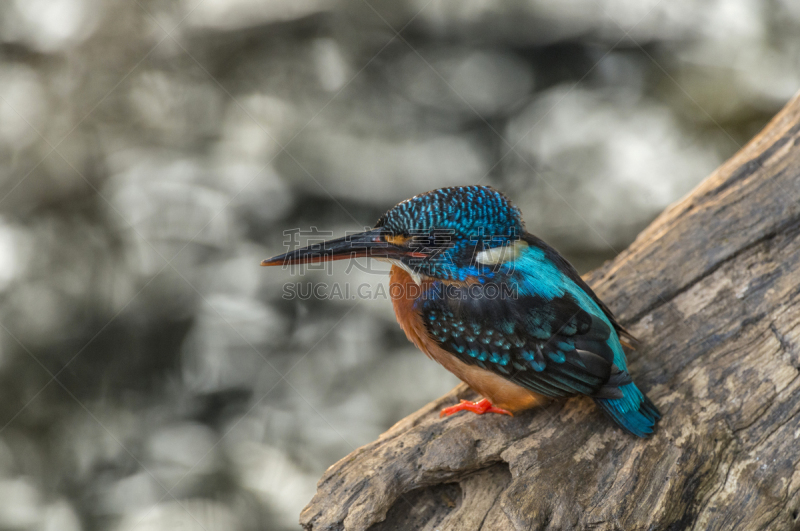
column 152, row 152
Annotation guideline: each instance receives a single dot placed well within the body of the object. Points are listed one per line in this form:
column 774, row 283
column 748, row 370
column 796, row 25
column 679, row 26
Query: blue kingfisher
column 495, row 305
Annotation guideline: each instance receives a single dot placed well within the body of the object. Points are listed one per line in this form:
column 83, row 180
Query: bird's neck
column 404, row 291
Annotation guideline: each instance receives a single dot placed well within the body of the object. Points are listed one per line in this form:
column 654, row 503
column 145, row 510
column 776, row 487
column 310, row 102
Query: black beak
column 369, row 244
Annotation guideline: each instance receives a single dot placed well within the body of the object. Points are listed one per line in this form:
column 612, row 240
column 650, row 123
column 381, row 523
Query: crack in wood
column 787, row 347
column 713, row 268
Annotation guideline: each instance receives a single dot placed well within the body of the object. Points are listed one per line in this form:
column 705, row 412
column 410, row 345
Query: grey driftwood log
column 712, row 290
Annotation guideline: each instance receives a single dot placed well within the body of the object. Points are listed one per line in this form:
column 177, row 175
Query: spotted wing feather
column 550, row 347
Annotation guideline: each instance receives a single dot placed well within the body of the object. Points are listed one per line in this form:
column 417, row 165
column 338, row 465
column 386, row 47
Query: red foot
column 479, row 408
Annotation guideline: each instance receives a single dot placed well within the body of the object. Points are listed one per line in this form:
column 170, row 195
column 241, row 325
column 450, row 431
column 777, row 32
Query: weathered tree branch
column 712, row 288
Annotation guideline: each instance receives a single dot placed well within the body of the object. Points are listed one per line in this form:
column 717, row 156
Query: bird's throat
column 413, row 275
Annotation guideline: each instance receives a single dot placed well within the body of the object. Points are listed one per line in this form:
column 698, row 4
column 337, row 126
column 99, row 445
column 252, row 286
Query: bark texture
column 712, row 290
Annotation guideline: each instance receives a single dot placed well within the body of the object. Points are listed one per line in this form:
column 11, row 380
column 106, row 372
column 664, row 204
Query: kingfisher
column 495, row 305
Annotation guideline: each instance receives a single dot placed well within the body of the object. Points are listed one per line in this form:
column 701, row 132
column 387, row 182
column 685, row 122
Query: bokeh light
column 152, row 153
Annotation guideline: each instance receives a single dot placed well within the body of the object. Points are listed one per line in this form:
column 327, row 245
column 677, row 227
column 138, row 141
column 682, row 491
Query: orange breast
column 500, row 392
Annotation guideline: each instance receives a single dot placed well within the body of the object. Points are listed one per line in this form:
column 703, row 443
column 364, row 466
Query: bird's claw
column 479, row 408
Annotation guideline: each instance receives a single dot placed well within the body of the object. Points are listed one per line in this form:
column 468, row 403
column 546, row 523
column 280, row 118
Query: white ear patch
column 498, row 255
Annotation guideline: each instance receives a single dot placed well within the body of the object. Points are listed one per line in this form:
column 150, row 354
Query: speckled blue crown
column 474, row 211
column 456, row 223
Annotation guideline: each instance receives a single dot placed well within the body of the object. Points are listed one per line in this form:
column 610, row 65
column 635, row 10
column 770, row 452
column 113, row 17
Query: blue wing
column 552, row 347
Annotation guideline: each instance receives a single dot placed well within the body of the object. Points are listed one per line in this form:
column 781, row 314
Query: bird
column 495, row 305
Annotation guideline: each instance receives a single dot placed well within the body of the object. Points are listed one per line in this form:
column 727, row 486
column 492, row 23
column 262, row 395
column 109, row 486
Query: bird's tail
column 634, row 412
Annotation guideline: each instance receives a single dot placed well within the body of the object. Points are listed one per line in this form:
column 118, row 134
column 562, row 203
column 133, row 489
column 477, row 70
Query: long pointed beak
column 364, row 244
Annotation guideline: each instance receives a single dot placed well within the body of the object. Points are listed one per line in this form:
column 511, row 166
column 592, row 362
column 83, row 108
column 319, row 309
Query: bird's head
column 453, row 233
